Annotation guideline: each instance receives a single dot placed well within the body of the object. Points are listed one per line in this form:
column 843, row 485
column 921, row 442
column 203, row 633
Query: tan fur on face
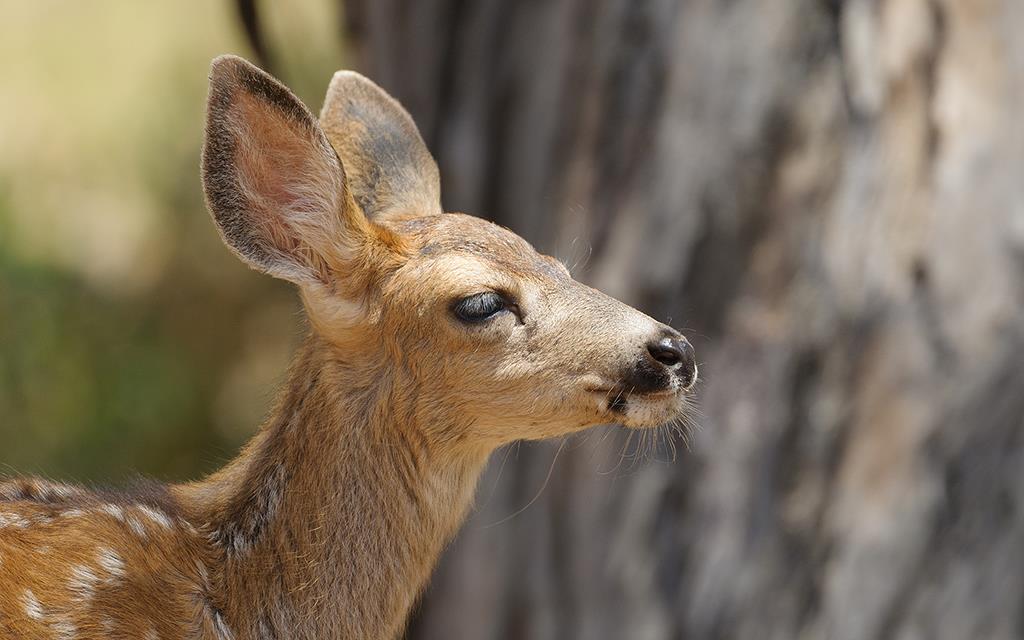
column 514, row 378
column 328, row 524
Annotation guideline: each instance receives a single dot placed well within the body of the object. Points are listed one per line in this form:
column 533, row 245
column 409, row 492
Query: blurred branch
column 249, row 14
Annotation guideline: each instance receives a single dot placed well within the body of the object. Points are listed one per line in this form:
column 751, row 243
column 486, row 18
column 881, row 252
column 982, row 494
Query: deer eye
column 479, row 307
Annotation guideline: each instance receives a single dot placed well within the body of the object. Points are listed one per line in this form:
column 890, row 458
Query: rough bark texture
column 828, row 197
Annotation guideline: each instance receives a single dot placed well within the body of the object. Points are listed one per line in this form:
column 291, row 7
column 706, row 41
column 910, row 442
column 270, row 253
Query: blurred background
column 826, row 196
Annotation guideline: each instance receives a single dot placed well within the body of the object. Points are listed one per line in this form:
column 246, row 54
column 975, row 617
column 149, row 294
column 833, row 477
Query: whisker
column 670, row 440
column 597, row 448
column 501, row 469
column 529, row 504
column 622, row 455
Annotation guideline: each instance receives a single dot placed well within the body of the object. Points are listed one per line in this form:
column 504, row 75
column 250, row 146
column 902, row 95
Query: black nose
column 676, row 353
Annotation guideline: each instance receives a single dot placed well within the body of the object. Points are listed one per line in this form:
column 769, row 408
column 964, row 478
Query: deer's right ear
column 273, row 183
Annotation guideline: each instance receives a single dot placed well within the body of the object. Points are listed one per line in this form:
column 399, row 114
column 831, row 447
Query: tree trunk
column 827, row 197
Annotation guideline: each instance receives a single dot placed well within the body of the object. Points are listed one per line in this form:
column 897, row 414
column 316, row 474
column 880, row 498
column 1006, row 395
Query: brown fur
column 328, row 524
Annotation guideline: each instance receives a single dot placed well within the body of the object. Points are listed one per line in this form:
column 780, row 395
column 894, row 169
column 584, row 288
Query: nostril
column 677, row 354
column 667, row 351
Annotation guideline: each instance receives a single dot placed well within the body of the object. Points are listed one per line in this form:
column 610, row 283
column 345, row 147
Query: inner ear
column 274, row 159
column 294, row 194
column 274, row 184
column 390, row 172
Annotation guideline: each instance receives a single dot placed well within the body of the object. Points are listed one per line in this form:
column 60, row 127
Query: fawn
column 434, row 339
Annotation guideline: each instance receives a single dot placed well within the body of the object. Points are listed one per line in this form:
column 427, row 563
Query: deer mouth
column 617, row 398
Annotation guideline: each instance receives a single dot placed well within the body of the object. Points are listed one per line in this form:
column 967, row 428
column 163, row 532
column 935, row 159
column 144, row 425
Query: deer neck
column 337, row 510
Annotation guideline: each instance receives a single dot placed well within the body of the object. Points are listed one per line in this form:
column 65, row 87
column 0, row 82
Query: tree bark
column 827, row 197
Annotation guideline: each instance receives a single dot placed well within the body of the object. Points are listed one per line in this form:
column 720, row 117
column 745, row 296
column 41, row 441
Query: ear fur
column 273, row 183
column 390, row 172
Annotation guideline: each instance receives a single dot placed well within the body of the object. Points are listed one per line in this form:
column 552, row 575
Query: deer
column 433, row 339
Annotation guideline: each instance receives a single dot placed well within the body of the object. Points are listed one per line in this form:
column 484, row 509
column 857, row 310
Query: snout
column 640, row 370
column 666, row 364
column 675, row 353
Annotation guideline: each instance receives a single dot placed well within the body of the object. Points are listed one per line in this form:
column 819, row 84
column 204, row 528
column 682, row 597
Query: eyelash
column 481, row 307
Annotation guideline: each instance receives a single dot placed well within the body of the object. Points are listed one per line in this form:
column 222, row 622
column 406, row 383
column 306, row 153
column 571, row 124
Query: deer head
column 488, row 340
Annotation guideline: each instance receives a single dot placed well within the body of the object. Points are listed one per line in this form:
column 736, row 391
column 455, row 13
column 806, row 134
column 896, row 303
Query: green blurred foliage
column 130, row 339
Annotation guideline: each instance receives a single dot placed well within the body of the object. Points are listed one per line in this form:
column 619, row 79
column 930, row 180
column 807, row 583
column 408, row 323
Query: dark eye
column 479, row 307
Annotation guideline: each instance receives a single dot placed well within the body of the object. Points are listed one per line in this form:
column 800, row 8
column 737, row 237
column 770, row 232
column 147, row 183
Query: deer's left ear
column 390, row 172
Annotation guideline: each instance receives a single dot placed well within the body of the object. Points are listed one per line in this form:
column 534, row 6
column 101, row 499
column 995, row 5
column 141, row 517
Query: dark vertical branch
column 249, row 14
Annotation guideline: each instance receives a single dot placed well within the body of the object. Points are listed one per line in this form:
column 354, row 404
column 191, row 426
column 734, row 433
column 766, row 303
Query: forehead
column 458, row 234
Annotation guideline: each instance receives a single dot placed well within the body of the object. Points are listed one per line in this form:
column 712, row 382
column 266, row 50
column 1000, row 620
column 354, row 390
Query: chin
column 647, row 411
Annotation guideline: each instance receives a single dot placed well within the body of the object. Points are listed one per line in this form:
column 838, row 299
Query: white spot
column 114, row 510
column 65, row 630
column 12, row 520
column 62, row 490
column 44, row 549
column 110, row 562
column 82, row 581
column 204, row 575
column 156, row 516
column 222, row 628
column 187, row 526
column 136, row 526
column 72, row 513
column 32, row 607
